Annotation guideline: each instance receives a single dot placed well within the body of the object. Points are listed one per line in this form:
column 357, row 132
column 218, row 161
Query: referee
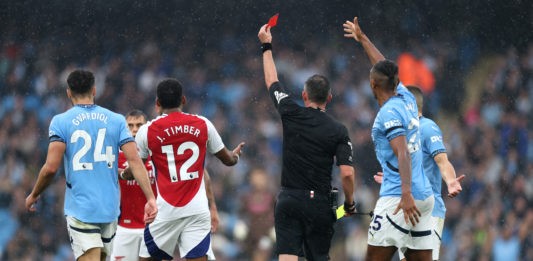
column 311, row 141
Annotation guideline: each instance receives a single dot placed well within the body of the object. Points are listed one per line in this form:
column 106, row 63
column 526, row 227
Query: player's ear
column 183, row 100
column 94, row 91
column 328, row 100
column 69, row 94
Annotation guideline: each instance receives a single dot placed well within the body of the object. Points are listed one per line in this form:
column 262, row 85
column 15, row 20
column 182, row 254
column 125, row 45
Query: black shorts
column 304, row 224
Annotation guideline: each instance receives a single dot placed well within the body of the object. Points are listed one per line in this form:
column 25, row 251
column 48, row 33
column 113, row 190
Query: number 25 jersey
column 177, row 143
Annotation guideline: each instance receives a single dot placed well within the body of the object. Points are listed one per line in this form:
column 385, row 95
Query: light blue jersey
column 399, row 117
column 432, row 145
column 93, row 136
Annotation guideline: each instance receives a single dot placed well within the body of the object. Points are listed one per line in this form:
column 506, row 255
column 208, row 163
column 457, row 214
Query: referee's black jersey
column 311, row 141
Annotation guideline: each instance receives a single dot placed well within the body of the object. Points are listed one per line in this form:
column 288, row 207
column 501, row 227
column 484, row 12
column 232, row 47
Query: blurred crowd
column 482, row 101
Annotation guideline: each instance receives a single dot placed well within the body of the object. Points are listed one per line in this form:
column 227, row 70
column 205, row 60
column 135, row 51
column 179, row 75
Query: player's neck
column 170, row 110
column 82, row 100
column 383, row 97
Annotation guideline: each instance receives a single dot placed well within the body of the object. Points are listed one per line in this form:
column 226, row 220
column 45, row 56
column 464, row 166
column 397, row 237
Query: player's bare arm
column 407, row 202
column 348, row 186
column 353, row 30
column 54, row 157
column 230, row 158
column 269, row 67
column 211, row 201
column 141, row 176
column 448, row 174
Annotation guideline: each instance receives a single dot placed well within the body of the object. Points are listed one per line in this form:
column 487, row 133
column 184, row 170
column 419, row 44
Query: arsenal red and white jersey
column 132, row 199
column 177, row 144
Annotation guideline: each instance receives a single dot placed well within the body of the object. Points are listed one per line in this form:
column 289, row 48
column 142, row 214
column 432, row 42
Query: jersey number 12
column 184, row 174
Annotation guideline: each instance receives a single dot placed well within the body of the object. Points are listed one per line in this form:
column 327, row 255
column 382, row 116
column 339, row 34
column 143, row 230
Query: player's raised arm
column 353, row 30
column 269, row 67
column 136, row 165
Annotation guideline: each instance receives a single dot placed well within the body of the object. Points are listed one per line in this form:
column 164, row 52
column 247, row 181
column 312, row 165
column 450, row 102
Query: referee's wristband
column 265, row 47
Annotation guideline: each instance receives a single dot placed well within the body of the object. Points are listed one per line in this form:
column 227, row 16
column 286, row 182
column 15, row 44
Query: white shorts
column 127, row 244
column 387, row 229
column 438, row 225
column 84, row 236
column 192, row 235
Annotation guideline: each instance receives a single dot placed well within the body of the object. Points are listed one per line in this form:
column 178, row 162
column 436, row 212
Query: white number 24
column 108, row 156
column 184, row 174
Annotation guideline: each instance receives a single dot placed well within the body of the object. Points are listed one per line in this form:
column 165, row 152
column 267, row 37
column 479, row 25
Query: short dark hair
column 419, row 96
column 317, row 88
column 389, row 69
column 135, row 114
column 169, row 92
column 80, row 82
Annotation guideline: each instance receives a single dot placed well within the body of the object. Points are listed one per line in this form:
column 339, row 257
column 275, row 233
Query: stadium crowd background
column 476, row 59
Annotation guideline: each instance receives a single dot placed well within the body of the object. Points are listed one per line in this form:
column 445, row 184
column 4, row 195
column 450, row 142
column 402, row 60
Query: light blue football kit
column 93, row 136
column 399, row 116
column 432, row 144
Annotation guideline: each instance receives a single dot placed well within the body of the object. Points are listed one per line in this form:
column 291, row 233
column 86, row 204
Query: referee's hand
column 264, row 34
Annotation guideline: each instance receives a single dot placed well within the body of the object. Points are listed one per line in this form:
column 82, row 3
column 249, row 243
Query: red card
column 273, row 21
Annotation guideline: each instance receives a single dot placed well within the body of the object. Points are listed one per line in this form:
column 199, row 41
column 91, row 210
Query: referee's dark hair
column 169, row 93
column 80, row 82
column 317, row 88
column 389, row 72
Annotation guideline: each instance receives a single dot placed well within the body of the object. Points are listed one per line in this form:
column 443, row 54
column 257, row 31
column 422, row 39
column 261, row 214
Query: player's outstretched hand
column 150, row 211
column 353, row 30
column 410, row 211
column 454, row 188
column 264, row 34
column 238, row 150
column 30, row 203
column 378, row 178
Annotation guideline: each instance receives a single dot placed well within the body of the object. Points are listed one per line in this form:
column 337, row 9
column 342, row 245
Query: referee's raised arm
column 269, row 67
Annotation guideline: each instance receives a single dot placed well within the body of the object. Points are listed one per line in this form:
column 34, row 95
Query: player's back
column 92, row 135
column 432, row 144
column 399, row 116
column 178, row 143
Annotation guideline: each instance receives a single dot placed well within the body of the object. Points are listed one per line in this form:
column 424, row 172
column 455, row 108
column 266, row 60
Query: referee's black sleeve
column 344, row 153
column 282, row 99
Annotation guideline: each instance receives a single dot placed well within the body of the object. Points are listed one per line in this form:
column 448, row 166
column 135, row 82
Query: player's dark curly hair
column 389, row 69
column 317, row 88
column 169, row 92
column 80, row 82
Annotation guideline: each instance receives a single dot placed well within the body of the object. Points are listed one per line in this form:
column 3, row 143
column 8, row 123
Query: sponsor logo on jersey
column 436, row 138
column 393, row 123
column 280, row 96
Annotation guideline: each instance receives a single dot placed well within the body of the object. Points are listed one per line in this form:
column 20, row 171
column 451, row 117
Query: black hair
column 135, row 114
column 317, row 88
column 169, row 93
column 389, row 69
column 80, row 82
